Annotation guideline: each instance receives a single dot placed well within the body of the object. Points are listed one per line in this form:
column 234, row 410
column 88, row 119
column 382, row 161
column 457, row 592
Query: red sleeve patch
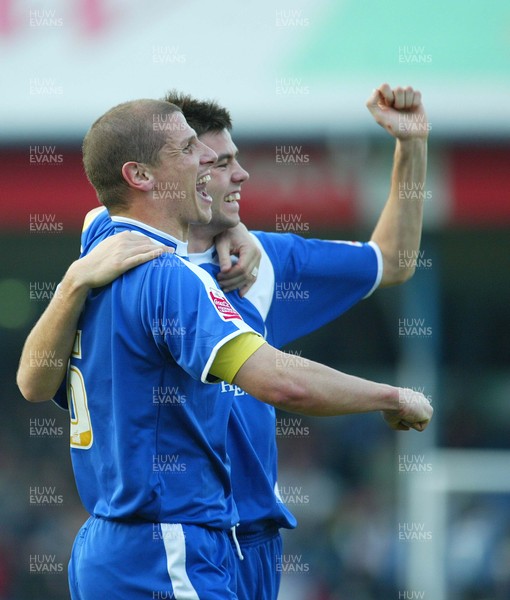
column 226, row 311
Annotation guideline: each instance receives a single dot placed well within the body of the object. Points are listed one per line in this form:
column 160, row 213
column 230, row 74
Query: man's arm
column 53, row 334
column 398, row 231
column 314, row 389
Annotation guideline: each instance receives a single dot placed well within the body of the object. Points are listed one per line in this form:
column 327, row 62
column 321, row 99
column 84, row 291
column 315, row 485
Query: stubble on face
column 227, row 179
column 180, row 177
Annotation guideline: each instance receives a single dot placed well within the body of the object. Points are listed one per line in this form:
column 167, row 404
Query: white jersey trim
column 261, row 292
column 219, row 345
column 182, row 247
column 199, row 258
column 208, row 283
column 175, row 550
column 380, row 267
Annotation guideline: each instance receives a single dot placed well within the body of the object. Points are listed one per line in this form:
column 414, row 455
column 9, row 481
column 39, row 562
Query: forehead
column 176, row 128
column 220, row 141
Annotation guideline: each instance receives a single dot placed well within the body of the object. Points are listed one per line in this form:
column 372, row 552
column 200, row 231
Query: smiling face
column 227, row 177
column 183, row 171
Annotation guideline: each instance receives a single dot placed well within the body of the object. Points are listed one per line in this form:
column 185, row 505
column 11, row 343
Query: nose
column 239, row 175
column 208, row 156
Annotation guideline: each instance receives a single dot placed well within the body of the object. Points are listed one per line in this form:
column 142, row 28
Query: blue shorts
column 151, row 561
column 257, row 575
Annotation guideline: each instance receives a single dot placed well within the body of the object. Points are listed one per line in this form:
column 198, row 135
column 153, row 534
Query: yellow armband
column 231, row 357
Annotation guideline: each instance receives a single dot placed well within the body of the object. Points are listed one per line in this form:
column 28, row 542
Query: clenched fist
column 414, row 412
column 399, row 111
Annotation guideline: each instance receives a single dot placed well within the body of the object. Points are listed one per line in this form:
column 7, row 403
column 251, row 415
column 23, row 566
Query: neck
column 164, row 223
column 201, row 238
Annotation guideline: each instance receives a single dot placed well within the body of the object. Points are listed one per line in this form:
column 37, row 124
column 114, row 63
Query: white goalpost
column 428, row 495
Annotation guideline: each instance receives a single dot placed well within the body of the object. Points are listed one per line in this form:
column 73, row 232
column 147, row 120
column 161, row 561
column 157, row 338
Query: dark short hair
column 125, row 133
column 204, row 116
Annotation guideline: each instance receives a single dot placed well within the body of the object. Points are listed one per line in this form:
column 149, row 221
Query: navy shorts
column 258, row 577
column 151, row 561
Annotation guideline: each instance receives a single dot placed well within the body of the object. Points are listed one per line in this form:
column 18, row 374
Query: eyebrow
column 180, row 145
column 227, row 155
column 191, row 138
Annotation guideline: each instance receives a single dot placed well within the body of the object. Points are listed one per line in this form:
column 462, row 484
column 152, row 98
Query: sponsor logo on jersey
column 226, row 311
column 229, row 388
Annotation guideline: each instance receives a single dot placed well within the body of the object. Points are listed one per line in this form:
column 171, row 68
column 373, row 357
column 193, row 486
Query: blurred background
column 381, row 515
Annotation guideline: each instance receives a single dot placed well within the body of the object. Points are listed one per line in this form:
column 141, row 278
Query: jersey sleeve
column 315, row 281
column 96, row 226
column 60, row 398
column 189, row 316
column 232, row 356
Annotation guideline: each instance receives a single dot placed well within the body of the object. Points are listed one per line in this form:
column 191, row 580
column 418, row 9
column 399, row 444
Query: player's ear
column 138, row 176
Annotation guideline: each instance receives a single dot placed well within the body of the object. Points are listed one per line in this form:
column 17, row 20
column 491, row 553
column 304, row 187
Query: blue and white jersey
column 147, row 433
column 305, row 283
column 302, row 284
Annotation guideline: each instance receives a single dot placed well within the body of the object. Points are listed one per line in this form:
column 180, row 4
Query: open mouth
column 233, row 197
column 201, row 186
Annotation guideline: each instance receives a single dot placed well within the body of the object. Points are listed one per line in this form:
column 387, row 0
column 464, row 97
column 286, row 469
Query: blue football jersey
column 147, row 431
column 302, row 284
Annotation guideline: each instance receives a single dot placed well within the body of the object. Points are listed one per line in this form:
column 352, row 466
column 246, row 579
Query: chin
column 204, row 218
column 230, row 220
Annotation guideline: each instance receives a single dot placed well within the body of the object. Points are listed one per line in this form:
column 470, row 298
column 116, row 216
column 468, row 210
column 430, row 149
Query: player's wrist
column 389, row 398
column 412, row 144
column 414, row 141
column 76, row 281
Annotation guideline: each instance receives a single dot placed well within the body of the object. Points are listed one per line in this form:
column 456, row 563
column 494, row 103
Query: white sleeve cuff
column 380, row 267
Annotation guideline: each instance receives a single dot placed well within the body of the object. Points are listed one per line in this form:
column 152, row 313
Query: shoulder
column 93, row 214
column 173, row 274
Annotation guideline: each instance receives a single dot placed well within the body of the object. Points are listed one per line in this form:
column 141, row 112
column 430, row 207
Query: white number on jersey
column 81, row 426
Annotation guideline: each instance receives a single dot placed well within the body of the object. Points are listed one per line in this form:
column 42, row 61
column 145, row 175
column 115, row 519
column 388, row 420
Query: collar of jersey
column 165, row 239
column 210, row 256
